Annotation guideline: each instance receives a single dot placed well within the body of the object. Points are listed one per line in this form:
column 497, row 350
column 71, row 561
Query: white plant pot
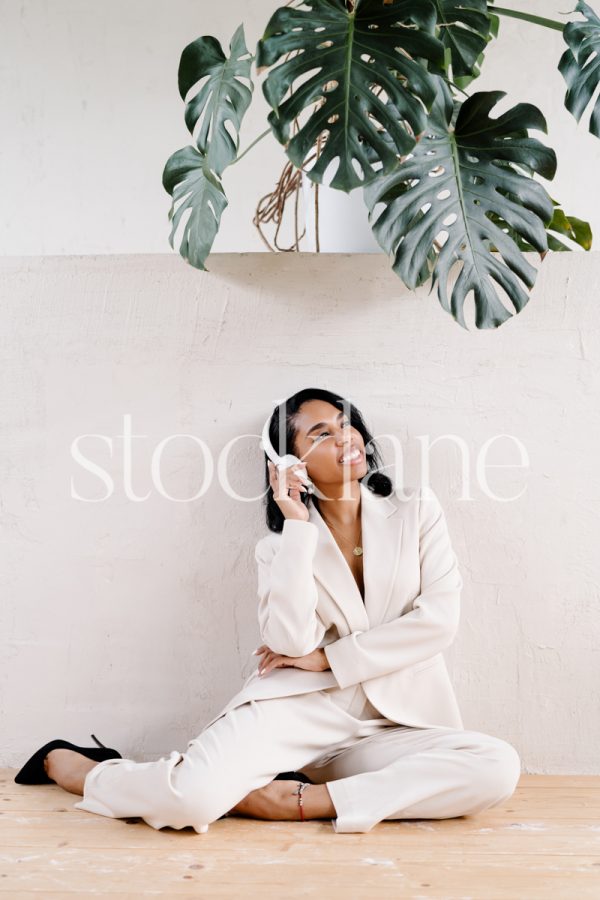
column 343, row 221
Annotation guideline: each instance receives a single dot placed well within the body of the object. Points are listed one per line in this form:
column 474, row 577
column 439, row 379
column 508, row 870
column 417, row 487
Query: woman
column 358, row 594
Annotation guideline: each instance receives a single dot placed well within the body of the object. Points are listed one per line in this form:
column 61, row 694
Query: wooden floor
column 543, row 843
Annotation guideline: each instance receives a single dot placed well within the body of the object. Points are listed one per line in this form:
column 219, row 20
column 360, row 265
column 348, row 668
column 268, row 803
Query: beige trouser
column 374, row 768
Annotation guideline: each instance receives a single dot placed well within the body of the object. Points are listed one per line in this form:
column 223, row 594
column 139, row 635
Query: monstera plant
column 373, row 92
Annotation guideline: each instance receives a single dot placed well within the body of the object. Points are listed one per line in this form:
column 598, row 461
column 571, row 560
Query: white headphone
column 283, row 462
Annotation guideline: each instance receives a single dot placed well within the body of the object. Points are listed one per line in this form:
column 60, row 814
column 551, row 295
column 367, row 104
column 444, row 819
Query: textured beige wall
column 136, row 620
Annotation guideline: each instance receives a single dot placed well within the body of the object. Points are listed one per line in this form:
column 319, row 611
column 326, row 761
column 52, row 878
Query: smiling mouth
column 351, row 458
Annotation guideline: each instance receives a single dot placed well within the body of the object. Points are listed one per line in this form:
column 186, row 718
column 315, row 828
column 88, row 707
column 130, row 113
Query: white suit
column 381, row 727
column 393, row 641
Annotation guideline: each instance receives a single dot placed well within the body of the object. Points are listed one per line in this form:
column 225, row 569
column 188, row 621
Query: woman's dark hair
column 376, row 481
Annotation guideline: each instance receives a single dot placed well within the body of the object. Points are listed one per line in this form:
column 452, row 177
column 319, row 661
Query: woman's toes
column 68, row 768
column 56, row 763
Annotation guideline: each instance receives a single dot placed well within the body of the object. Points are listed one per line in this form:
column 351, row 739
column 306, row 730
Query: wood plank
column 522, row 835
column 370, row 876
column 545, row 841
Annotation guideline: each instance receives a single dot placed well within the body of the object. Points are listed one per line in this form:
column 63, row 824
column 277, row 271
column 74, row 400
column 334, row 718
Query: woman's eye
column 323, row 433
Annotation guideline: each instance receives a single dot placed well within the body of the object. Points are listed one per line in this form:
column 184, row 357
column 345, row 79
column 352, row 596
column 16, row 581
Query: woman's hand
column 291, row 504
column 313, row 662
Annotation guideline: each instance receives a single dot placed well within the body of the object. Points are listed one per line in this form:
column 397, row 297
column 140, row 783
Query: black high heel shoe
column 293, row 776
column 33, row 771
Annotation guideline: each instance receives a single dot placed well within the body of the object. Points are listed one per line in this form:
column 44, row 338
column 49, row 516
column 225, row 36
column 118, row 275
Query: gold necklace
column 357, row 550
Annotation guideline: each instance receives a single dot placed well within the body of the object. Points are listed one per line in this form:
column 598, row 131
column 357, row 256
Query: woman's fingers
column 287, row 491
column 272, row 661
column 314, row 662
column 266, row 664
column 264, row 653
column 286, row 479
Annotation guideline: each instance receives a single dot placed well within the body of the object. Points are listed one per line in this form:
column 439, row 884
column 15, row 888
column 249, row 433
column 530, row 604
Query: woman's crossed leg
column 416, row 773
column 241, row 752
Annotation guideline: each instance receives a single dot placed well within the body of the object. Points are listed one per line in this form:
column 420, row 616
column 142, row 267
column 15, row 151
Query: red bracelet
column 302, row 785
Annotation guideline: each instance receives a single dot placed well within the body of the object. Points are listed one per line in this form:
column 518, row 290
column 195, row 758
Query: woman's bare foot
column 68, row 769
column 277, row 800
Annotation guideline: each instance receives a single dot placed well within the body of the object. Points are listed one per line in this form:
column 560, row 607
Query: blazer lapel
column 381, row 534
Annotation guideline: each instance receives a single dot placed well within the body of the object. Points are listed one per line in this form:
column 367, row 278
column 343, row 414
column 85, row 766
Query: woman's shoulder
column 404, row 496
column 413, row 495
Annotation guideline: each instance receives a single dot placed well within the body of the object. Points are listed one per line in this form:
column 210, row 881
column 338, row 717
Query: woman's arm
column 424, row 631
column 287, row 593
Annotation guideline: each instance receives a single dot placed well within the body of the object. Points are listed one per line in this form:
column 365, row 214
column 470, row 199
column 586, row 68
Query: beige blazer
column 392, row 642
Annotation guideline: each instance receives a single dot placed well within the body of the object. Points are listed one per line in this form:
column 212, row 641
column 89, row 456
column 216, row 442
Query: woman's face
column 326, row 442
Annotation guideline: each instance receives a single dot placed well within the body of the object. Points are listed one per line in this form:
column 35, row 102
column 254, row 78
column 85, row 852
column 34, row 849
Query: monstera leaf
column 464, row 29
column 580, row 65
column 193, row 186
column 221, row 99
column 464, row 169
column 361, row 80
column 191, row 175
column 578, row 231
column 575, row 229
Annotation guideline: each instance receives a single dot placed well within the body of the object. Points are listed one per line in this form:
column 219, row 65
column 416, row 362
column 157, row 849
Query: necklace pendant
column 358, row 551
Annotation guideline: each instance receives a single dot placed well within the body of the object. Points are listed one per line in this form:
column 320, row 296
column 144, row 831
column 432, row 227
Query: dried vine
column 271, row 207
